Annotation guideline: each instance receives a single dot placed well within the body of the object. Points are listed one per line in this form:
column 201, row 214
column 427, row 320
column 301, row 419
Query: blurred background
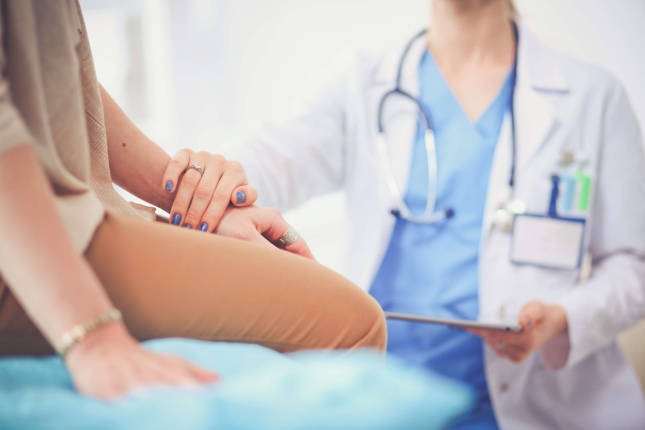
column 197, row 73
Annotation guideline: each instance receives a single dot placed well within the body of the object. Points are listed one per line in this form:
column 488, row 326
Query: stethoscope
column 504, row 213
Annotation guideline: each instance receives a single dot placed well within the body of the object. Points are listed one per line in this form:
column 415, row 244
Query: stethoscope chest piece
column 505, row 213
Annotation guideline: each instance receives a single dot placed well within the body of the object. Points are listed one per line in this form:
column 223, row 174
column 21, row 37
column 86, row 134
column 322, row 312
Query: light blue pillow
column 259, row 389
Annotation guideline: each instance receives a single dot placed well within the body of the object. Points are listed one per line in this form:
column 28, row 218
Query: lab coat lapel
column 498, row 189
column 534, row 117
column 538, row 73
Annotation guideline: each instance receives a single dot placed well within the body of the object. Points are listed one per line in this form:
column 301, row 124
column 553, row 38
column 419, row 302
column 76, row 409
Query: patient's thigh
column 170, row 281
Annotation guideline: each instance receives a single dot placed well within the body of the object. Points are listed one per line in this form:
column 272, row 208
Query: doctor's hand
column 264, row 226
column 204, row 185
column 540, row 323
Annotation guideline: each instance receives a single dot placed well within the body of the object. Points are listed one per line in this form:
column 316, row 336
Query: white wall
column 214, row 69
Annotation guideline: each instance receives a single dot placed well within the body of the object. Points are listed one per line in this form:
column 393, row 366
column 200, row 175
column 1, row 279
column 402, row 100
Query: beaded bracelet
column 79, row 332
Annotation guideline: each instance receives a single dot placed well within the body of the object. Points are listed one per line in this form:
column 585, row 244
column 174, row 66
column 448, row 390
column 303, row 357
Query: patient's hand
column 201, row 199
column 260, row 225
column 110, row 363
column 540, row 323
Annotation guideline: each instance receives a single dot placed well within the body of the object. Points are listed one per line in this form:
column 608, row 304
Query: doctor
column 487, row 177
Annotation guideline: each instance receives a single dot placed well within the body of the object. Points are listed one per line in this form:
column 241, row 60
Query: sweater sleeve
column 13, row 130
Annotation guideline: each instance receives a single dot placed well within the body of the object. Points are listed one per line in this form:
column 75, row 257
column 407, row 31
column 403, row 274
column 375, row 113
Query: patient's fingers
column 244, row 195
column 203, row 193
column 176, row 167
column 186, row 189
column 199, row 374
column 229, row 180
column 207, row 193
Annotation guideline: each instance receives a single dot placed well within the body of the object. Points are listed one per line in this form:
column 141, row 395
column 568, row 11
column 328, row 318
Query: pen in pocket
column 583, row 193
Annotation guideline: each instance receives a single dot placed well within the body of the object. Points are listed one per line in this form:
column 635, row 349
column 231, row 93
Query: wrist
column 152, row 193
column 79, row 332
column 558, row 317
column 557, row 347
column 163, row 200
column 153, row 178
column 160, row 197
column 97, row 342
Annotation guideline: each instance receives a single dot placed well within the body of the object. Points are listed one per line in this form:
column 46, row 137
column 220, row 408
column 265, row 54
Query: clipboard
column 454, row 322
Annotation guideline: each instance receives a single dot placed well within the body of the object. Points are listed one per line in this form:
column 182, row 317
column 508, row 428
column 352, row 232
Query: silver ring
column 197, row 167
column 289, row 237
column 500, row 345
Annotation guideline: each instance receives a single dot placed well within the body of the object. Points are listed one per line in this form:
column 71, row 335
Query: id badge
column 546, row 241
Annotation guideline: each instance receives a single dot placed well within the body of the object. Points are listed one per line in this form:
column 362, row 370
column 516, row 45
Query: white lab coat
column 560, row 104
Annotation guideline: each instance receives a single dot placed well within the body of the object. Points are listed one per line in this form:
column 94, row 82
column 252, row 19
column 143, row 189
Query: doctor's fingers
column 532, row 314
column 510, row 351
column 272, row 226
column 517, row 341
column 241, row 224
column 512, row 354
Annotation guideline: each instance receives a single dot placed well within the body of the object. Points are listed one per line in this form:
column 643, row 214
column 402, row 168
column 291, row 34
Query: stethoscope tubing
column 429, row 216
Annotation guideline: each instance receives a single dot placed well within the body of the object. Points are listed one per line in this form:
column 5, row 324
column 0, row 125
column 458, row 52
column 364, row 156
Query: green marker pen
column 583, row 191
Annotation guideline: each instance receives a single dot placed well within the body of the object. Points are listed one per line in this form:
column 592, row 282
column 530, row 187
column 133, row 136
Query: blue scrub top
column 434, row 269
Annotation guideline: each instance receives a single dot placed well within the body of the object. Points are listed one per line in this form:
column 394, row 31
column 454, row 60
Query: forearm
column 137, row 164
column 291, row 163
column 52, row 281
column 608, row 303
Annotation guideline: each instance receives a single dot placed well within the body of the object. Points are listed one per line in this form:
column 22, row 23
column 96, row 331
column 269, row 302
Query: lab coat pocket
column 544, row 284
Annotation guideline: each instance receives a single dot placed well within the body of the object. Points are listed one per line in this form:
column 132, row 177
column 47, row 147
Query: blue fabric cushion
column 259, row 389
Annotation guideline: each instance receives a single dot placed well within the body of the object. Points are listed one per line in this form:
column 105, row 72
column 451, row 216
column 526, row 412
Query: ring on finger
column 500, row 345
column 289, row 237
column 197, row 167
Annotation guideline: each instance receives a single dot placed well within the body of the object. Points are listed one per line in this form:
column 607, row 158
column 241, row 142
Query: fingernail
column 176, row 219
column 203, row 227
column 169, row 185
column 527, row 320
column 241, row 197
column 188, row 226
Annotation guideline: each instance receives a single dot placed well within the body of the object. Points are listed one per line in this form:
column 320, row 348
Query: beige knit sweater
column 50, row 99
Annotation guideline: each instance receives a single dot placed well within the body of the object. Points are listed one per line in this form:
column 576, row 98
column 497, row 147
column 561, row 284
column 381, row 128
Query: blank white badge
column 547, row 242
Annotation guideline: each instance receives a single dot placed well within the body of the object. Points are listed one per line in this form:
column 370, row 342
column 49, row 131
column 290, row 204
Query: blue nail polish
column 203, row 227
column 188, row 226
column 241, row 197
column 176, row 219
column 169, row 185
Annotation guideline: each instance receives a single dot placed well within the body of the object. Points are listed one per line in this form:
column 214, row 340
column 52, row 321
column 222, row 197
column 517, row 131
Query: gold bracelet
column 79, row 332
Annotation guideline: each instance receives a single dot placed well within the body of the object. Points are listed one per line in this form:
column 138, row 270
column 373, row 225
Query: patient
column 88, row 275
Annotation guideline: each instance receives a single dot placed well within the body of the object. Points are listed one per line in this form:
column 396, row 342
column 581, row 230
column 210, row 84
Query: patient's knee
column 369, row 329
